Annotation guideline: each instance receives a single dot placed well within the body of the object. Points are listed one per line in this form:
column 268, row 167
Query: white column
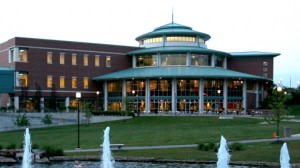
column 174, row 95
column 17, row 79
column 16, row 101
column 213, row 60
column 147, row 95
column 225, row 95
column 124, row 95
column 105, row 96
column 42, row 104
column 201, row 96
column 245, row 96
column 67, row 103
column 133, row 61
column 225, row 62
column 257, row 95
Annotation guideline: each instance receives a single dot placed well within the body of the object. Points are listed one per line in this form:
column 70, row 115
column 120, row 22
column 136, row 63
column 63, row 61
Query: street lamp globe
column 279, row 88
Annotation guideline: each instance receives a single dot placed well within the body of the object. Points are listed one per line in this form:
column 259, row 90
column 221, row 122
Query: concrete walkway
column 294, row 137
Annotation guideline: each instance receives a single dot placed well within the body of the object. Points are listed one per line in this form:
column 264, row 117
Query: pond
column 90, row 164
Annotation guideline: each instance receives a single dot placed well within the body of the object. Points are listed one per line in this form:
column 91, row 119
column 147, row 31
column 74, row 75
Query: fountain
column 27, row 156
column 107, row 159
column 223, row 154
column 284, row 157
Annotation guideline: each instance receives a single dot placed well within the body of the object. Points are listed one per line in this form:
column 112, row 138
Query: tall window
column 49, row 58
column 173, row 59
column 219, row 61
column 85, row 82
column 114, row 88
column 146, row 60
column 23, row 79
column 108, row 61
column 62, row 58
column 200, row 60
column 74, row 59
column 62, row 82
column 74, row 82
column 85, row 59
column 49, row 81
column 23, row 55
column 97, row 60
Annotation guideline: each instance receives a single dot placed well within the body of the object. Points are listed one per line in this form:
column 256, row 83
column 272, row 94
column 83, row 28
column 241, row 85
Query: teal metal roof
column 178, row 72
column 173, row 29
column 176, row 49
column 253, row 54
column 7, row 80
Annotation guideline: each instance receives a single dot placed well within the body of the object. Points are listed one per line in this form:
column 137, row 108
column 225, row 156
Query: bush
column 11, row 146
column 236, row 146
column 1, row 147
column 47, row 119
column 201, row 146
column 52, row 151
column 35, row 146
column 210, row 146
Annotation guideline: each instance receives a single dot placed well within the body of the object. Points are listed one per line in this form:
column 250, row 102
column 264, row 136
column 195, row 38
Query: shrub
column 201, row 146
column 211, row 145
column 47, row 119
column 1, row 147
column 236, row 146
column 11, row 146
column 35, row 146
column 52, row 151
column 22, row 121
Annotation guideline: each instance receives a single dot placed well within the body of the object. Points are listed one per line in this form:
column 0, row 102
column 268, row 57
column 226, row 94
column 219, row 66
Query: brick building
column 172, row 70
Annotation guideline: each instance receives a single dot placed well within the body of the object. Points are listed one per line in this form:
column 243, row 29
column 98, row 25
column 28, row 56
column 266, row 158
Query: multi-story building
column 172, row 70
column 58, row 69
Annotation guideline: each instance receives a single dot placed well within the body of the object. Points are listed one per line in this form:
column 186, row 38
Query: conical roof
column 174, row 29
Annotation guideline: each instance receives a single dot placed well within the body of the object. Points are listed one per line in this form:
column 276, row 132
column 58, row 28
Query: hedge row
column 112, row 113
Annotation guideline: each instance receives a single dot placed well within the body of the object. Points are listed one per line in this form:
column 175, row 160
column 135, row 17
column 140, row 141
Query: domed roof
column 173, row 29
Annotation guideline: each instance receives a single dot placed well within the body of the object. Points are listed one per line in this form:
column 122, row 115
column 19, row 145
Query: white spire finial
column 172, row 14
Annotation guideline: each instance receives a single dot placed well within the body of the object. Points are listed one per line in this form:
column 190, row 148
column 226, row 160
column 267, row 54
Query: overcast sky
column 234, row 25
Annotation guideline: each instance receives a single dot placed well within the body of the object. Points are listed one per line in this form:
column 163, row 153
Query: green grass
column 169, row 130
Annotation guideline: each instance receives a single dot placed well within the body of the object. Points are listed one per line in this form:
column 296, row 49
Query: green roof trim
column 253, row 54
column 176, row 49
column 178, row 72
column 174, row 29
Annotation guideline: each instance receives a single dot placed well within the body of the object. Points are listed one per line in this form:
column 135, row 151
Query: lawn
column 165, row 130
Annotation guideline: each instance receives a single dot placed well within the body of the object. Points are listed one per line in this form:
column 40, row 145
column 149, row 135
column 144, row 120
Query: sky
column 234, row 25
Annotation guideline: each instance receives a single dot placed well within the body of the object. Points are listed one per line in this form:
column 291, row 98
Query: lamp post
column 279, row 90
column 97, row 103
column 78, row 96
column 219, row 91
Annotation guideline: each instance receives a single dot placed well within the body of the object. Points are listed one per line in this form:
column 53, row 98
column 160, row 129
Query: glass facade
column 146, row 60
column 173, row 59
column 219, row 61
column 200, row 60
column 161, row 95
column 153, row 40
column 213, row 95
column 181, row 38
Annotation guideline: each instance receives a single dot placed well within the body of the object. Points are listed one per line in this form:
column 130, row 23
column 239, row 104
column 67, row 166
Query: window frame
column 49, row 58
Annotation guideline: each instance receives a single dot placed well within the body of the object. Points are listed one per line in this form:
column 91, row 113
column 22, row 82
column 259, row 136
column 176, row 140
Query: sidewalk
column 294, row 137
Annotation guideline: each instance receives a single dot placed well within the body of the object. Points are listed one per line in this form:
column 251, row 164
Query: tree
column 277, row 104
column 37, row 98
column 21, row 121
